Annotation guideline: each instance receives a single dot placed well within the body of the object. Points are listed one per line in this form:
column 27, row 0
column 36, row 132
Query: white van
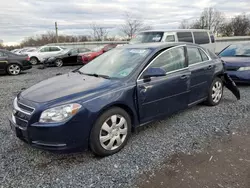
column 202, row 37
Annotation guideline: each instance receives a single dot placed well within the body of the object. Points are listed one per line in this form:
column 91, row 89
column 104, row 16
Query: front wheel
column 215, row 92
column 59, row 63
column 110, row 132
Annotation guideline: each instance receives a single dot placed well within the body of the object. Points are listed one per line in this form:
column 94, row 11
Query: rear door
column 3, row 61
column 202, row 70
column 167, row 94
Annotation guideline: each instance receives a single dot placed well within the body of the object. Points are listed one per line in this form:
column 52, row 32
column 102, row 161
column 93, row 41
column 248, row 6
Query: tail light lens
column 28, row 58
column 84, row 58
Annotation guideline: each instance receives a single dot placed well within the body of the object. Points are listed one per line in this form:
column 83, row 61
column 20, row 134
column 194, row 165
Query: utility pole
column 56, row 32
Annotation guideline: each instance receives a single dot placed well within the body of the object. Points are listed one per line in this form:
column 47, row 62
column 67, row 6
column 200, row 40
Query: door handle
column 184, row 77
column 210, row 67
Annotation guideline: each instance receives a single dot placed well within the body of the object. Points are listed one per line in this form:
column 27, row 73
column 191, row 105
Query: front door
column 3, row 61
column 167, row 94
column 202, row 71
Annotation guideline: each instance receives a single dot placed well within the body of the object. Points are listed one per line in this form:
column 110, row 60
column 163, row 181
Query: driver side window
column 170, row 60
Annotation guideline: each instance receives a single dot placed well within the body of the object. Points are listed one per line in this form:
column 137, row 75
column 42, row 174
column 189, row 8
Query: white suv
column 44, row 52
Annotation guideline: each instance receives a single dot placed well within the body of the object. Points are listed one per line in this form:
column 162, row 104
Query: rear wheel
column 58, row 62
column 110, row 132
column 14, row 69
column 215, row 92
column 33, row 60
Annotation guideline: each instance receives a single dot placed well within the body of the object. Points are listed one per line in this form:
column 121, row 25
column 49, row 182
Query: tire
column 58, row 63
column 215, row 92
column 113, row 134
column 33, row 60
column 14, row 69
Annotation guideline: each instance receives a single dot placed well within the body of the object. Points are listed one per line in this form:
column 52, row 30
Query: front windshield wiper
column 242, row 55
column 78, row 71
column 99, row 75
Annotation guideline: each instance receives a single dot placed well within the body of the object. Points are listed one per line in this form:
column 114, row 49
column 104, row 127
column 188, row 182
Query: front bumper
column 54, row 137
column 240, row 76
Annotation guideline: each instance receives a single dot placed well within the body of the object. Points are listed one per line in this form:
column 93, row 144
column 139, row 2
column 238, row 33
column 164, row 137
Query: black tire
column 210, row 100
column 58, row 62
column 34, row 61
column 13, row 69
column 94, row 140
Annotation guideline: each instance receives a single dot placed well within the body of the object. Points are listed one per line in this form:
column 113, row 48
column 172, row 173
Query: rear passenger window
column 170, row 60
column 203, row 55
column 185, row 37
column 54, row 49
column 201, row 38
column 194, row 55
column 170, row 38
column 45, row 49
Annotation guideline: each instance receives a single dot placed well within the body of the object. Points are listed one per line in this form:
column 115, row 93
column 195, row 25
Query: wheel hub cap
column 113, row 132
column 217, row 92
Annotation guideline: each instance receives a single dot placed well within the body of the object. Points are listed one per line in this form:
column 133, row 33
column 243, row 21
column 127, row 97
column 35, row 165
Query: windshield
column 147, row 37
column 117, row 63
column 236, row 50
column 97, row 49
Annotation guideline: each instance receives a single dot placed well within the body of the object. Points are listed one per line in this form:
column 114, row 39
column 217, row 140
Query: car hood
column 236, row 61
column 68, row 87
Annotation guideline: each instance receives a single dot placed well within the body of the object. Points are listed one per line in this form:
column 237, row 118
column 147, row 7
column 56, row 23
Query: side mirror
column 69, row 54
column 153, row 72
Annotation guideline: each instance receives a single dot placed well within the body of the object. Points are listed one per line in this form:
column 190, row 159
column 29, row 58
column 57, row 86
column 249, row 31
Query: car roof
column 157, row 45
column 174, row 30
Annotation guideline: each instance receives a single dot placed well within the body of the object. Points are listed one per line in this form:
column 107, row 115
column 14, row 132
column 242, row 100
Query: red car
column 89, row 56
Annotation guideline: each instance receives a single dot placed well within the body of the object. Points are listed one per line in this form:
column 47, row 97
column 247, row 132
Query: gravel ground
column 186, row 132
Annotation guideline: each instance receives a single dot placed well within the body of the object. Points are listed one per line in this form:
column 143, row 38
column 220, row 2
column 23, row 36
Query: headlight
column 244, row 68
column 60, row 113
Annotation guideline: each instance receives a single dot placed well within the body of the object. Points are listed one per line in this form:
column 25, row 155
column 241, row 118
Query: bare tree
column 184, row 24
column 210, row 19
column 240, row 25
column 99, row 33
column 133, row 25
column 226, row 29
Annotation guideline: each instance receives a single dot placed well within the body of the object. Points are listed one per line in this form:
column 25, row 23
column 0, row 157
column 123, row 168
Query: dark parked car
column 236, row 58
column 66, row 57
column 97, row 105
column 84, row 58
column 13, row 64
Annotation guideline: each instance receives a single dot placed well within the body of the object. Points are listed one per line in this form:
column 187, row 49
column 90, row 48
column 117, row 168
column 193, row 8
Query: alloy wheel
column 59, row 62
column 217, row 92
column 113, row 132
column 14, row 69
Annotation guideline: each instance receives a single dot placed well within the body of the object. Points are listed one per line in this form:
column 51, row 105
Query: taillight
column 84, row 58
column 28, row 58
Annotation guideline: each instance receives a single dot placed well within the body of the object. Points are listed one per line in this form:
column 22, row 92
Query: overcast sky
column 23, row 18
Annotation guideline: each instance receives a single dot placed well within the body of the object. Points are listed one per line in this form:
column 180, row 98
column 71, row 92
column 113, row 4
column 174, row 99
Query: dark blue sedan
column 99, row 104
column 237, row 61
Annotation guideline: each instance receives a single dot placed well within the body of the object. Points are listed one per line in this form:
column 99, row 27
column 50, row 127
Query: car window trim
column 209, row 58
column 138, row 78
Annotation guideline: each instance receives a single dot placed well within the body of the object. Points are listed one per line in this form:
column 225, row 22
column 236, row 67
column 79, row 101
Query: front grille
column 25, row 107
column 22, row 119
column 21, row 123
column 22, row 114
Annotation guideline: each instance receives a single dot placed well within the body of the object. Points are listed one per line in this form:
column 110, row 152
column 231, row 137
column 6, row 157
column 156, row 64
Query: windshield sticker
column 137, row 51
column 156, row 38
